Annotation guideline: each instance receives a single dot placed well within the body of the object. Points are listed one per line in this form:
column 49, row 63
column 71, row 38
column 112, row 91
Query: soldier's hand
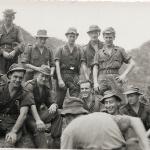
column 40, row 125
column 96, row 87
column 121, row 78
column 11, row 137
column 53, row 108
column 61, row 84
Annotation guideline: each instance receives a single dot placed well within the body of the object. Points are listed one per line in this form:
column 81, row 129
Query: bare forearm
column 52, row 70
column 139, row 129
column 20, row 120
column 129, row 67
column 58, row 71
column 35, row 113
column 31, row 67
column 95, row 73
column 84, row 68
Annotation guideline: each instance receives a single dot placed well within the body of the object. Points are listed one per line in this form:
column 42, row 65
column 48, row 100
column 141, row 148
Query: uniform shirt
column 95, row 131
column 70, row 61
column 89, row 53
column 114, row 61
column 33, row 56
column 12, row 105
column 43, row 98
column 143, row 113
column 14, row 35
column 8, row 38
column 95, row 105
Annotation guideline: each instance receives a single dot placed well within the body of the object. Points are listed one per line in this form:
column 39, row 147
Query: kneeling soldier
column 14, row 105
column 46, row 107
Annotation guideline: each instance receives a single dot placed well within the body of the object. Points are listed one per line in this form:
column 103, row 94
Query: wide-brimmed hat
column 93, row 28
column 74, row 106
column 44, row 69
column 108, row 94
column 72, row 30
column 109, row 30
column 15, row 67
column 9, row 12
column 131, row 90
column 42, row 33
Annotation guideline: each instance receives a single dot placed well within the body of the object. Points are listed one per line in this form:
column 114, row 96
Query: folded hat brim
column 73, row 110
column 94, row 30
column 108, row 96
column 43, row 36
column 72, row 33
column 16, row 69
column 132, row 92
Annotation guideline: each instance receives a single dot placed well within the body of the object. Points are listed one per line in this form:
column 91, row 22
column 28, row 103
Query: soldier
column 111, row 102
column 37, row 55
column 102, row 131
column 68, row 59
column 91, row 48
column 107, row 63
column 11, row 41
column 14, row 103
column 46, row 107
column 72, row 108
column 91, row 100
column 136, row 107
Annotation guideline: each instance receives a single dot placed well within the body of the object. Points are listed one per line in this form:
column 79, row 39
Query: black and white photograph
column 74, row 74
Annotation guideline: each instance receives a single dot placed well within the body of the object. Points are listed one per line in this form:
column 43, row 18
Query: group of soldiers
column 89, row 108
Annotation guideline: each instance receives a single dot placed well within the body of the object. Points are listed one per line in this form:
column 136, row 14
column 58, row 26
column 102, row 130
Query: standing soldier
column 107, row 63
column 135, row 107
column 11, row 41
column 91, row 48
column 37, row 55
column 68, row 61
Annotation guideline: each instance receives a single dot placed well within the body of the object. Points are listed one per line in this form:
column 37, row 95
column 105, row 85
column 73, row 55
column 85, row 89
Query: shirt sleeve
column 125, row 56
column 27, row 99
column 51, row 59
column 58, row 54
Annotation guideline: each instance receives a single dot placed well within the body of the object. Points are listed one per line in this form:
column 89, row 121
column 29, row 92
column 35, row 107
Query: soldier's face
column 42, row 79
column 109, row 38
column 41, row 41
column 133, row 98
column 111, row 105
column 85, row 89
column 16, row 78
column 8, row 19
column 71, row 38
column 94, row 35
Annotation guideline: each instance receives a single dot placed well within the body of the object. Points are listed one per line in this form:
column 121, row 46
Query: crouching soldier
column 14, row 105
column 90, row 99
column 46, row 109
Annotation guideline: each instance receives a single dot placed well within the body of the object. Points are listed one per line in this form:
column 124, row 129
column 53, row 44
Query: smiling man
column 14, row 104
column 91, row 101
column 111, row 102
